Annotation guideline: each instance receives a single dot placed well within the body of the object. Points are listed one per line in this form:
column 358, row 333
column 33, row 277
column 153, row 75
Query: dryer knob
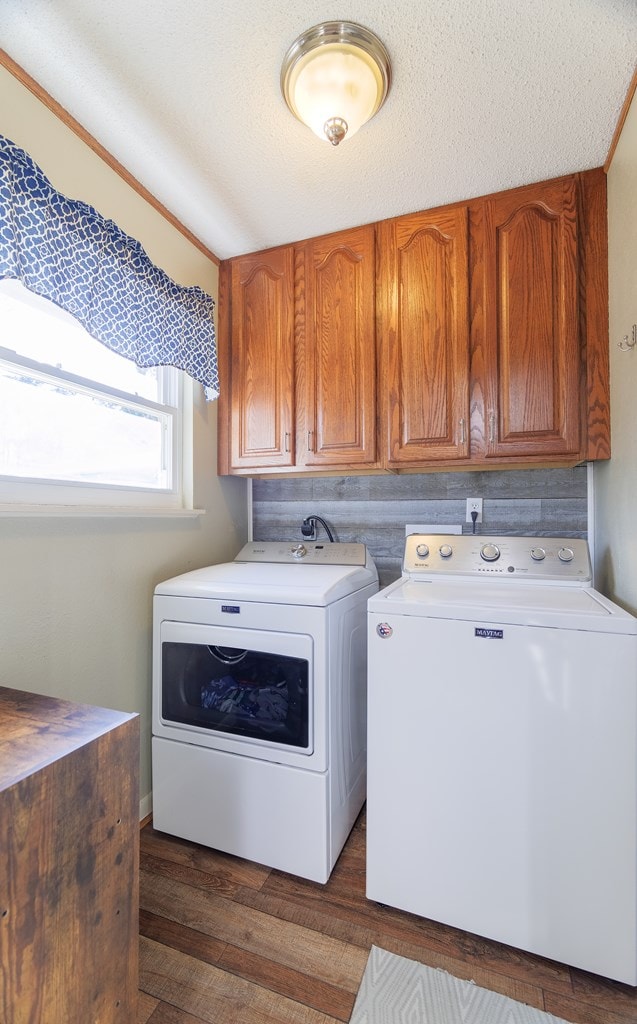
column 422, row 550
column 300, row 551
column 490, row 552
column 538, row 554
column 446, row 551
column 565, row 555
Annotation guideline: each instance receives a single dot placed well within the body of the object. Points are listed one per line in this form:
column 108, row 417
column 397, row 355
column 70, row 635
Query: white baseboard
column 145, row 806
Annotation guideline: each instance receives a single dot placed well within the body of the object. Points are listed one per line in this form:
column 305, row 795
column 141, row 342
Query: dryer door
column 249, row 691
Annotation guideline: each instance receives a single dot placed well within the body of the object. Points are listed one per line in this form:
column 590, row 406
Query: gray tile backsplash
column 374, row 509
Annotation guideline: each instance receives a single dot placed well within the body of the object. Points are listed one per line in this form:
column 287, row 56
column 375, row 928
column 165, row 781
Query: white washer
column 502, row 749
column 259, row 703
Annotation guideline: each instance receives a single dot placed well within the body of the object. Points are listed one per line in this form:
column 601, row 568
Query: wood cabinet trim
column 623, row 114
column 223, row 363
column 594, row 314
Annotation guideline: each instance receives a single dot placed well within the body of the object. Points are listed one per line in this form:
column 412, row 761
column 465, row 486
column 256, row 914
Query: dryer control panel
column 305, row 552
column 561, row 560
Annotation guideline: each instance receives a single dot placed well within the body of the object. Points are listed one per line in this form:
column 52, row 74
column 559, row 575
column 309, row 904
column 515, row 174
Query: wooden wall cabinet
column 261, row 377
column 69, row 849
column 336, row 348
column 493, row 316
column 526, row 262
column 492, row 326
column 299, row 371
column 424, row 336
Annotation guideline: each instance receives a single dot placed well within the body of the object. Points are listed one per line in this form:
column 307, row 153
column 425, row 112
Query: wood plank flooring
column 224, row 941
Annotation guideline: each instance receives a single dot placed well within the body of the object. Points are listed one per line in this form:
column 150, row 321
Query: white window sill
column 98, row 511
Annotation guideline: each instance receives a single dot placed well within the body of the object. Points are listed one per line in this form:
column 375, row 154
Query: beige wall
column 76, row 594
column 615, row 482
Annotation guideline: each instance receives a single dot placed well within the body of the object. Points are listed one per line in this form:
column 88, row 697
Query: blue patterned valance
column 66, row 251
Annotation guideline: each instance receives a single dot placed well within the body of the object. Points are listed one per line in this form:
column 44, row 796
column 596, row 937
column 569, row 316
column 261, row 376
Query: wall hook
column 625, row 344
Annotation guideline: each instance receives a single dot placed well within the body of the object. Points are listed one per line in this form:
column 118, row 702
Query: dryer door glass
column 237, row 691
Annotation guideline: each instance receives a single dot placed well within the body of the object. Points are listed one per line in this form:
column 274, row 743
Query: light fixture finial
column 335, row 77
column 335, row 129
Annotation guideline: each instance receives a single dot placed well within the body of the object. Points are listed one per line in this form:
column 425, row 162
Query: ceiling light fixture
column 335, row 77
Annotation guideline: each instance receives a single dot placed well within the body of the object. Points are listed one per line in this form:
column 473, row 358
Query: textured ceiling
column 486, row 94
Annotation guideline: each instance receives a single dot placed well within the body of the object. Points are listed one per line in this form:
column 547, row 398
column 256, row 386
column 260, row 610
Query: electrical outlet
column 308, row 529
column 474, row 505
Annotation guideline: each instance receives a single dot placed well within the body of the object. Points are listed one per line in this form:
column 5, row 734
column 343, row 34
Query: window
column 80, row 424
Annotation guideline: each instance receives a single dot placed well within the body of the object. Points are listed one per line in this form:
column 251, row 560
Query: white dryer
column 502, row 749
column 259, row 703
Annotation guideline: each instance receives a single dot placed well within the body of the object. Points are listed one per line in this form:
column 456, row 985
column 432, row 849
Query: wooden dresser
column 69, row 853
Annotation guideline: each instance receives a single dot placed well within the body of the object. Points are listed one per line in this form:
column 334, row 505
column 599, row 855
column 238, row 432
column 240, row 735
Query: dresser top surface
column 36, row 730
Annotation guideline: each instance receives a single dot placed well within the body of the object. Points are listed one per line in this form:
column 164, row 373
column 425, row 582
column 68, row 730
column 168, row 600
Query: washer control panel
column 538, row 559
column 303, row 552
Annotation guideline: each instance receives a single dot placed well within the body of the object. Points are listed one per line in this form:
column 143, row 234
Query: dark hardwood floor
column 224, row 941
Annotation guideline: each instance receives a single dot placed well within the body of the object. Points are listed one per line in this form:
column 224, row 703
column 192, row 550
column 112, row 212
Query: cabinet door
column 532, row 363
column 262, row 360
column 424, row 336
column 337, row 346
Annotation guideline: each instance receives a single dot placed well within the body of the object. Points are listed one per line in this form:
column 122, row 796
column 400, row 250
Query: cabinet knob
column 463, row 436
column 310, row 434
column 287, row 440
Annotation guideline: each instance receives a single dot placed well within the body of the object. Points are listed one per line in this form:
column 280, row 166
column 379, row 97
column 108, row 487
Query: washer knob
column 446, row 551
column 422, row 550
column 299, row 551
column 565, row 555
column 538, row 554
column 490, row 552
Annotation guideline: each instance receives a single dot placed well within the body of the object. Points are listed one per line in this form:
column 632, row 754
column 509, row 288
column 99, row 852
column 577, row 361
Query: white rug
column 399, row 991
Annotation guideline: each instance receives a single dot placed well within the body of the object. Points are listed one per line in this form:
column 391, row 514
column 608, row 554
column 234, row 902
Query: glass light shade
column 335, row 78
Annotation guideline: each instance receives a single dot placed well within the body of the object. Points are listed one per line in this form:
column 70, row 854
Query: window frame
column 27, row 494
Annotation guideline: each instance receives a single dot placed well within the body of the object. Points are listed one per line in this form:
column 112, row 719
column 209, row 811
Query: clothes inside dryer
column 237, row 691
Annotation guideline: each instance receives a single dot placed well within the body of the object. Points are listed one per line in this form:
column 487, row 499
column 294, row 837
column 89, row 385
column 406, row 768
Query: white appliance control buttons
column 446, row 551
column 422, row 550
column 538, row 554
column 565, row 555
column 300, row 551
column 490, row 552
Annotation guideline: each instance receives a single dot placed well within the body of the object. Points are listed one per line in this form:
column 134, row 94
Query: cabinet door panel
column 424, row 328
column 262, row 370
column 532, row 322
column 339, row 349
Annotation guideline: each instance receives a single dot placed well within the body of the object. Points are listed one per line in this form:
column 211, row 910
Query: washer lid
column 273, row 582
column 485, row 601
